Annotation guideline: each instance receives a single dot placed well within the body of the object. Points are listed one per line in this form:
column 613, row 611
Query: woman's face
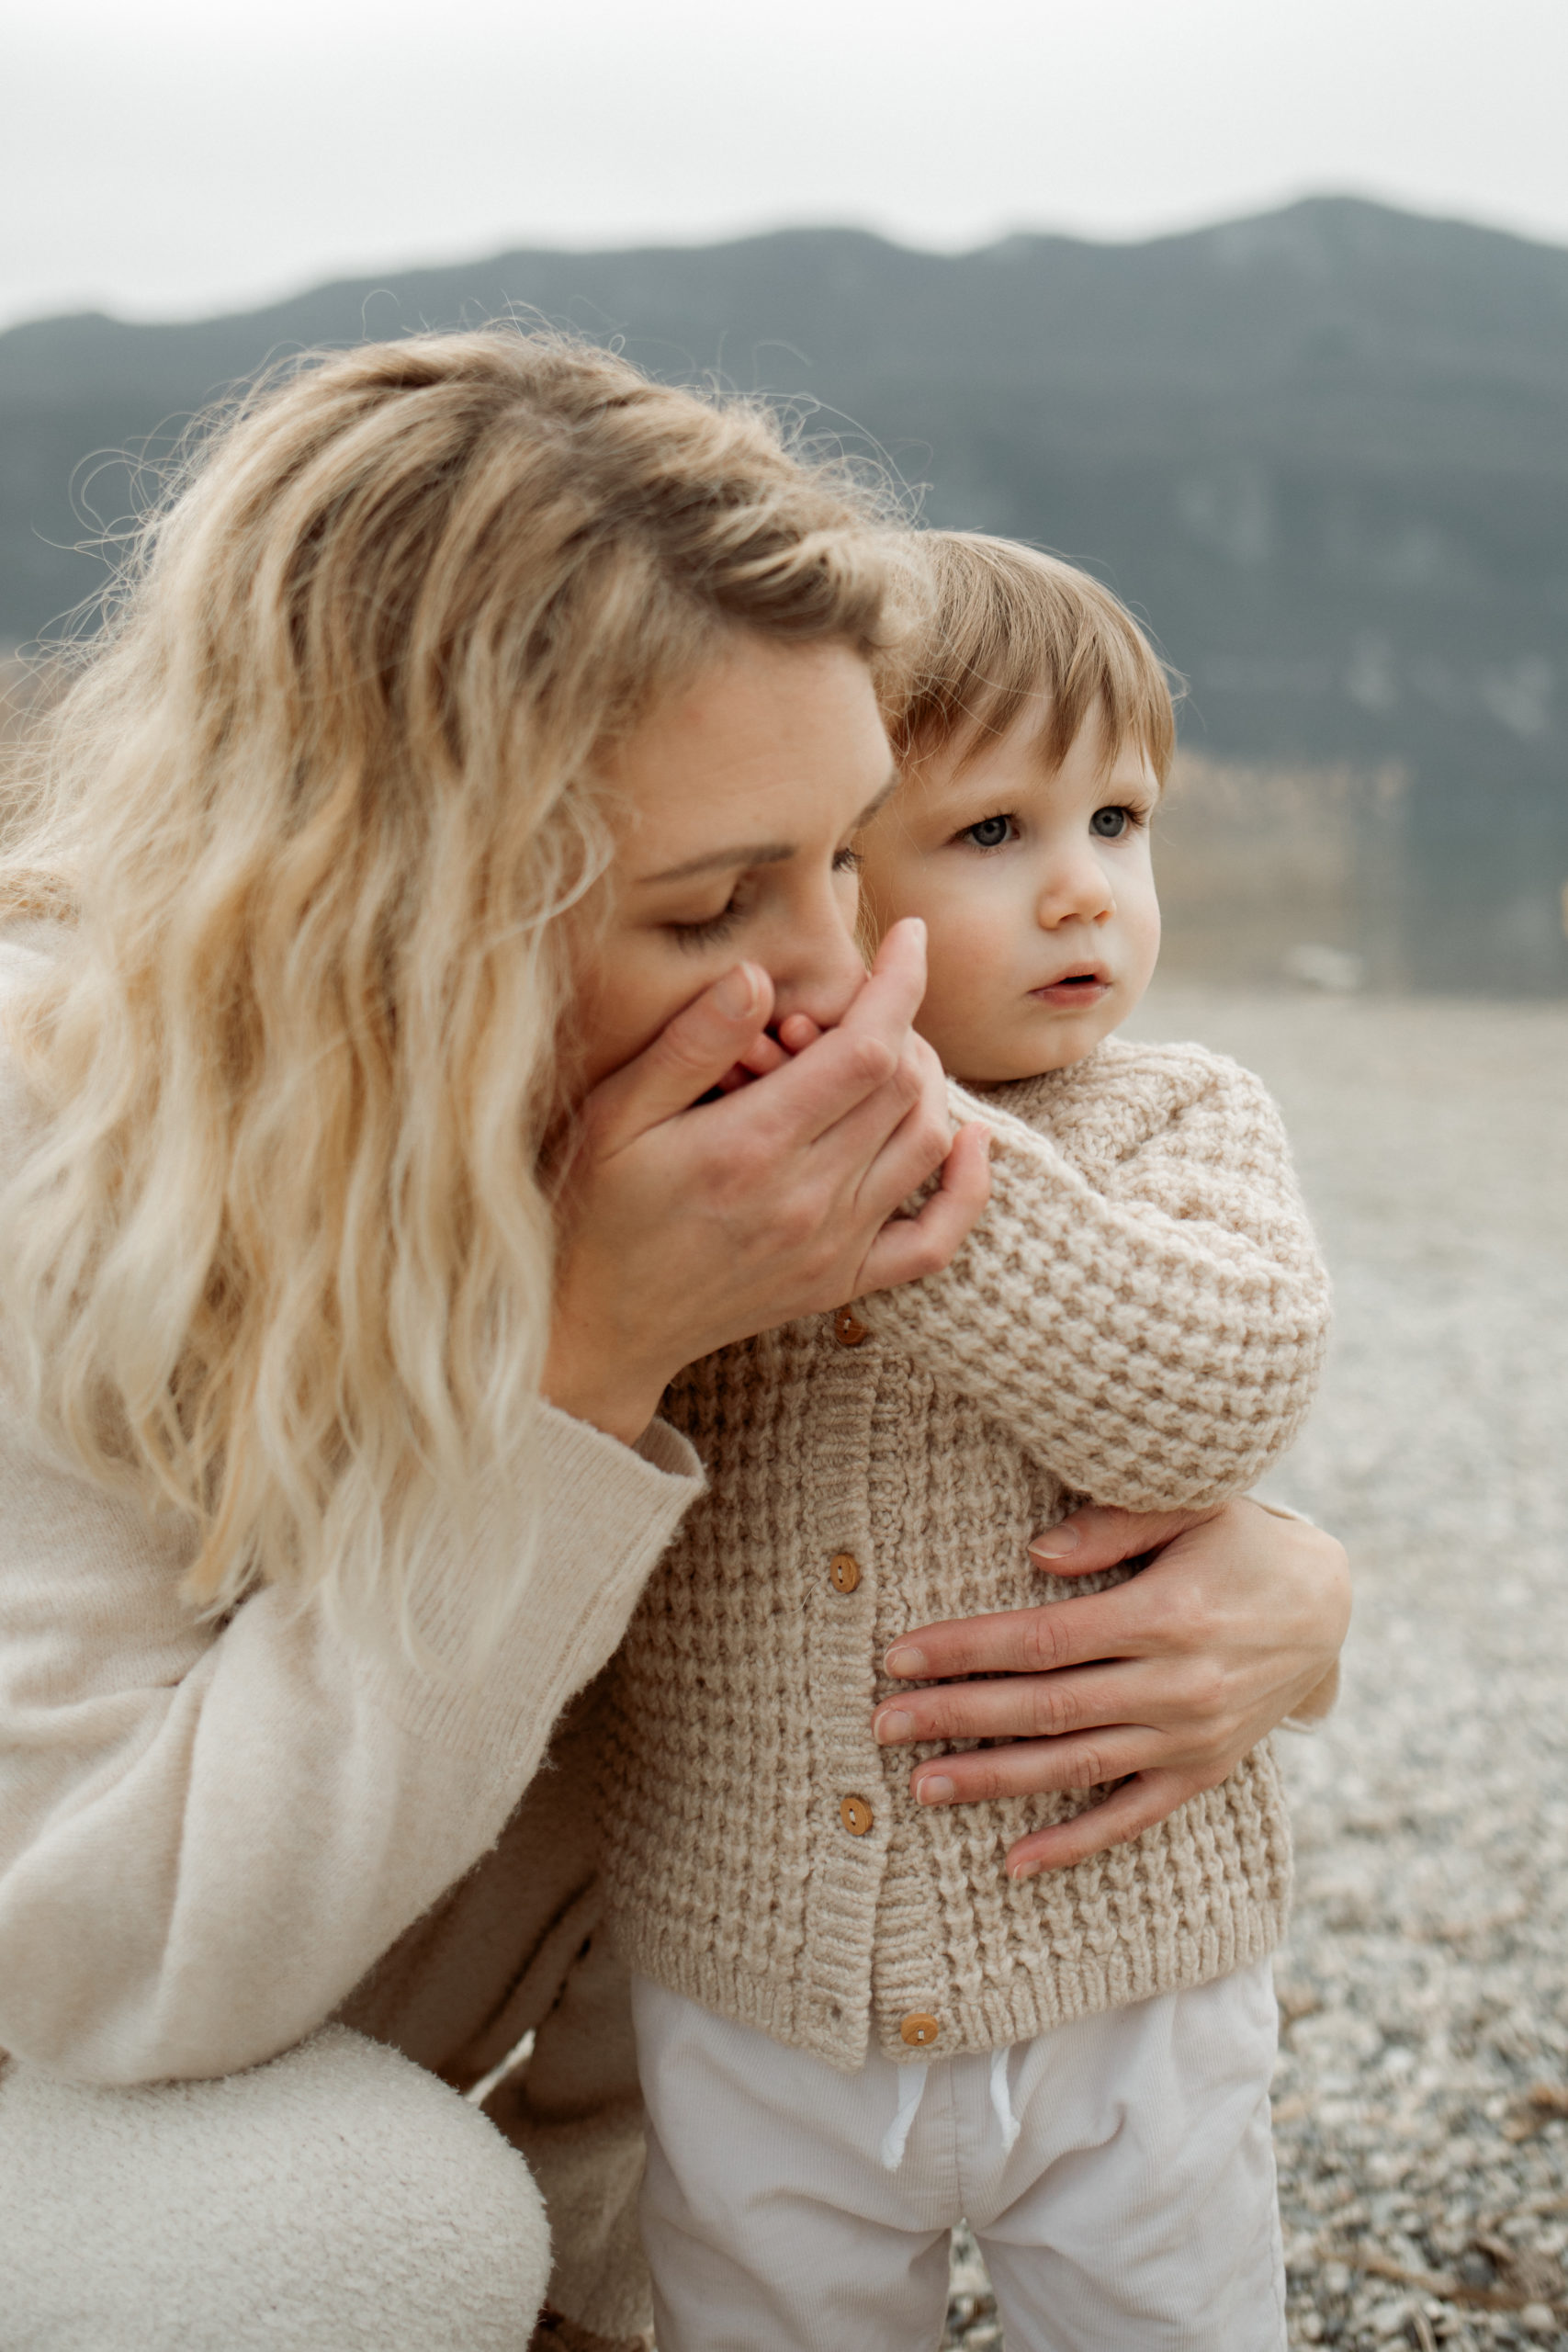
column 734, row 806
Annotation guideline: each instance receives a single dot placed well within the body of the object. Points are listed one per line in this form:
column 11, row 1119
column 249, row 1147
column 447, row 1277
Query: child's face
column 1038, row 895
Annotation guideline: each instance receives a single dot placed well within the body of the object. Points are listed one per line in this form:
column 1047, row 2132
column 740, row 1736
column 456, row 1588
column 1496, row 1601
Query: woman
column 327, row 1155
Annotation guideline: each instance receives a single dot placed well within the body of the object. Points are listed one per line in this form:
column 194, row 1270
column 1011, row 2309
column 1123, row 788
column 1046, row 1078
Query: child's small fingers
column 764, row 1055
column 797, row 1031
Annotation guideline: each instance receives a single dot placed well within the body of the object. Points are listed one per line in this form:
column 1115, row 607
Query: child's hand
column 966, row 1176
column 771, row 1051
column 688, row 1222
column 797, row 1031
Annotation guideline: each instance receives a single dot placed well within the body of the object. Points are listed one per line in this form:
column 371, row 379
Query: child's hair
column 279, row 1253
column 1008, row 629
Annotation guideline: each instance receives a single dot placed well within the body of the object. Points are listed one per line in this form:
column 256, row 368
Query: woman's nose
column 821, row 968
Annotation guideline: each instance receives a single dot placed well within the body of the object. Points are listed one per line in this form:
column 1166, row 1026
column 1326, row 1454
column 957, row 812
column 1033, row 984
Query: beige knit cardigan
column 1139, row 1317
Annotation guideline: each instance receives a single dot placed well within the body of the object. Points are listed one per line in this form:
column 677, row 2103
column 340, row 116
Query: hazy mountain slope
column 1325, row 452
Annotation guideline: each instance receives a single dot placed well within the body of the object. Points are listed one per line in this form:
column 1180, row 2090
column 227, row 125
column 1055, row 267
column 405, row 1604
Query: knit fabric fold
column 1139, row 1317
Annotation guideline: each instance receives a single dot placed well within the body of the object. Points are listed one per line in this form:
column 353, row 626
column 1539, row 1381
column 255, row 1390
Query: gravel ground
column 1421, row 2103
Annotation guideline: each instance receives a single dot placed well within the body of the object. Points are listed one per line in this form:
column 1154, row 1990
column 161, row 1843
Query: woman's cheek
column 635, row 987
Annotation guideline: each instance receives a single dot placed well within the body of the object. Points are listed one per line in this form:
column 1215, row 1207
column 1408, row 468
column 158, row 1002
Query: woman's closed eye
column 711, row 930
column 707, row 931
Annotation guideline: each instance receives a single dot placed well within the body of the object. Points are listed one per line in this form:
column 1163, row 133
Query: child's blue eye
column 1109, row 824
column 989, row 833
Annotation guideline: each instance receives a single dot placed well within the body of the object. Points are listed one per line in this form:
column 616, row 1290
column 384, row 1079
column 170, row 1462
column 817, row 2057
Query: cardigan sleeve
column 1143, row 1305
column 208, row 1835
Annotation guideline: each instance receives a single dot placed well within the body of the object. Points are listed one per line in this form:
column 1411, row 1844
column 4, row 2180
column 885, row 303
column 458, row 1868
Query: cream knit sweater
column 213, row 1837
column 1139, row 1317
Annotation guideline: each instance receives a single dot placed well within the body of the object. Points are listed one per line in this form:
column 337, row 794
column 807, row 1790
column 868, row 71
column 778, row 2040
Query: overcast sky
column 173, row 156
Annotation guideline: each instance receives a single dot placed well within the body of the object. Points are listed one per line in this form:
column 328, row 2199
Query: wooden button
column 855, row 1815
column 844, row 1571
column 919, row 2031
column 848, row 1328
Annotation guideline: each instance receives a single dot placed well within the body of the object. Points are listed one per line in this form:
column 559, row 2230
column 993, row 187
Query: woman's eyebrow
column 744, row 854
column 879, row 800
column 761, row 852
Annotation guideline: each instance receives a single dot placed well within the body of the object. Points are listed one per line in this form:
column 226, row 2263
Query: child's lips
column 1073, row 989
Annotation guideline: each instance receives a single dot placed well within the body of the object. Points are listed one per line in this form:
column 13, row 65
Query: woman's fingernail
column 895, row 1725
column 1022, row 1869
column 904, row 1660
column 736, row 994
column 935, row 1788
column 1056, row 1543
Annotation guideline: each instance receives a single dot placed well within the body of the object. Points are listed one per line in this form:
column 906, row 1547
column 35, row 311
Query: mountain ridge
column 1322, row 450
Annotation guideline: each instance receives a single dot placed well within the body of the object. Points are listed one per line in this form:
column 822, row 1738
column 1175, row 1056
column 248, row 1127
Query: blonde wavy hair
column 278, row 1254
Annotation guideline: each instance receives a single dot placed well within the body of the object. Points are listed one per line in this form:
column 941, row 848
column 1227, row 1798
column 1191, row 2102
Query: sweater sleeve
column 208, row 1835
column 1142, row 1305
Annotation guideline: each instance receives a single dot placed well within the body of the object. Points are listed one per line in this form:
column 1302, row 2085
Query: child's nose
column 1076, row 888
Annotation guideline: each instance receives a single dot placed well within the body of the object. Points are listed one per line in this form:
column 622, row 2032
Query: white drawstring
column 1001, row 2100
column 911, row 2086
column 911, row 2090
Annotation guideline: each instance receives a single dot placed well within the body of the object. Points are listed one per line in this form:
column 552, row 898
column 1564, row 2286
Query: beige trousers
column 346, row 2195
column 339, row 2200
column 1118, row 2174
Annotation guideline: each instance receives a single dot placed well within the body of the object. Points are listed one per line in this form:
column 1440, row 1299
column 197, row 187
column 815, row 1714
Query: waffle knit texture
column 1139, row 1317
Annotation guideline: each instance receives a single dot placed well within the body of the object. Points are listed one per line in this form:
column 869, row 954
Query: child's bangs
column 1011, row 629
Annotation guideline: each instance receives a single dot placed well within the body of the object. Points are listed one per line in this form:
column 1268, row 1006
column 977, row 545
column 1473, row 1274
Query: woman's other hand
column 1161, row 1684
column 695, row 1222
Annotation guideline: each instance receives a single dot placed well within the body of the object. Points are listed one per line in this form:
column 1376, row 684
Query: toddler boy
column 863, row 2014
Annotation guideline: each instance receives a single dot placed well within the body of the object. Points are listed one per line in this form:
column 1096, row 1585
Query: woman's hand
column 691, row 1223
column 1162, row 1684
